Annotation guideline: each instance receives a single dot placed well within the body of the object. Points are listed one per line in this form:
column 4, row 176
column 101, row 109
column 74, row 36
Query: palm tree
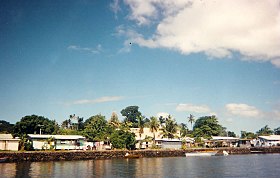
column 191, row 120
column 170, row 128
column 141, row 125
column 183, row 130
column 154, row 125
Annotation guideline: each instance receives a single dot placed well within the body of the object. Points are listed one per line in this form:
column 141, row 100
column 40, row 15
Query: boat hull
column 201, row 154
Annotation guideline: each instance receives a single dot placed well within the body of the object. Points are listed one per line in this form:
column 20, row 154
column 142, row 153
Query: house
column 270, row 140
column 57, row 142
column 145, row 139
column 219, row 141
column 7, row 142
column 166, row 143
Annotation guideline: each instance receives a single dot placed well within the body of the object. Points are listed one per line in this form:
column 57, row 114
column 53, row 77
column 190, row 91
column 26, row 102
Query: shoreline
column 37, row 156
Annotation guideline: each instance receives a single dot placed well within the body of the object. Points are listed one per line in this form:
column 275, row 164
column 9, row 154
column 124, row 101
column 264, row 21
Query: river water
column 261, row 165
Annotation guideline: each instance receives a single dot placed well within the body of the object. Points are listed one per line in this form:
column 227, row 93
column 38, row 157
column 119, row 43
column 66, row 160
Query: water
column 266, row 165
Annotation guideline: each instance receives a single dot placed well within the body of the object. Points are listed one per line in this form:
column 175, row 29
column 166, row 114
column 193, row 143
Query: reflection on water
column 230, row 166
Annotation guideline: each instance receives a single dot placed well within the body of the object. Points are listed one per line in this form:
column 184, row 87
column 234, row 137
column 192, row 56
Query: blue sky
column 167, row 57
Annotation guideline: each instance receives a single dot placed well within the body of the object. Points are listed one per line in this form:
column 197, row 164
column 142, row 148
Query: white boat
column 208, row 153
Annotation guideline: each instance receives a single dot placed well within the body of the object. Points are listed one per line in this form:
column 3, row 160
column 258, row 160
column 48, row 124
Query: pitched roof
column 271, row 137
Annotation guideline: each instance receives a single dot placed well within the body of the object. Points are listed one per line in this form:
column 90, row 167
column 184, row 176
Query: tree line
column 98, row 128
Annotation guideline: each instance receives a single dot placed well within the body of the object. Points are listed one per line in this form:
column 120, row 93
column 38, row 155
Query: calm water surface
column 267, row 165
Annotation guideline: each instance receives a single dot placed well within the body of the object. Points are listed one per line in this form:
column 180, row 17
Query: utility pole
column 40, row 128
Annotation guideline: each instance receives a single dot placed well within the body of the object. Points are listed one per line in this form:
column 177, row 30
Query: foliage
column 96, row 128
column 231, row 134
column 277, row 131
column 191, row 119
column 265, row 131
column 248, row 135
column 131, row 114
column 154, row 125
column 6, row 127
column 123, row 139
column 33, row 124
column 183, row 130
column 114, row 120
column 207, row 126
column 169, row 129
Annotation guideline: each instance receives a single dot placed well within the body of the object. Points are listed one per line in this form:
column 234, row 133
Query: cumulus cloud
column 243, row 110
column 95, row 50
column 98, row 100
column 217, row 28
column 193, row 108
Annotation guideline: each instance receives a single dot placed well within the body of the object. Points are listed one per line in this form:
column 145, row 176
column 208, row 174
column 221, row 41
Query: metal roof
column 57, row 137
column 271, row 137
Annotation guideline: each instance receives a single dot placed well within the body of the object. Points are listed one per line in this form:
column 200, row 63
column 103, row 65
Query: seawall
column 111, row 154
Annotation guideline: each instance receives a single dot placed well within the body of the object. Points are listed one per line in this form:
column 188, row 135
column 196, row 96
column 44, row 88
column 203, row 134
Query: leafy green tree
column 248, row 135
column 96, row 128
column 6, row 127
column 207, row 126
column 154, row 126
column 265, row 131
column 231, row 134
column 183, row 130
column 191, row 119
column 131, row 113
column 32, row 124
column 277, row 131
column 169, row 129
column 123, row 139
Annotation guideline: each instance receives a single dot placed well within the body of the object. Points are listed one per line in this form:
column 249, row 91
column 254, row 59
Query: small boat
column 208, row 153
column 127, row 155
column 223, row 153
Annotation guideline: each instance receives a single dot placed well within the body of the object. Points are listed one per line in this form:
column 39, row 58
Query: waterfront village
column 134, row 132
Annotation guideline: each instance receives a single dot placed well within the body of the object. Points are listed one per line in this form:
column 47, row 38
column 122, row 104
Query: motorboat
column 206, row 153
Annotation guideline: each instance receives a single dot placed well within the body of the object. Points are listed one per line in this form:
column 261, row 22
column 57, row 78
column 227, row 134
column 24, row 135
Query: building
column 219, row 141
column 170, row 143
column 7, row 142
column 57, row 142
column 270, row 140
column 145, row 139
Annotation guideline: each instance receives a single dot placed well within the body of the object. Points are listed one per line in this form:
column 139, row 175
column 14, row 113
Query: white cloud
column 217, row 28
column 163, row 114
column 243, row 110
column 193, row 108
column 95, row 50
column 115, row 7
column 98, row 100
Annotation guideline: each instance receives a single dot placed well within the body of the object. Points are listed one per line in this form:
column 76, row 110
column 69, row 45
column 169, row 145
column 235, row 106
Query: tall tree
column 207, row 126
column 265, row 131
column 154, row 126
column 33, row 124
column 96, row 128
column 131, row 113
column 183, row 130
column 169, row 130
column 123, row 139
column 191, row 119
column 141, row 128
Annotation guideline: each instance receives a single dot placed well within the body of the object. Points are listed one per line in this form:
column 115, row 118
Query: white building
column 270, row 140
column 7, row 142
column 57, row 142
column 146, row 139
